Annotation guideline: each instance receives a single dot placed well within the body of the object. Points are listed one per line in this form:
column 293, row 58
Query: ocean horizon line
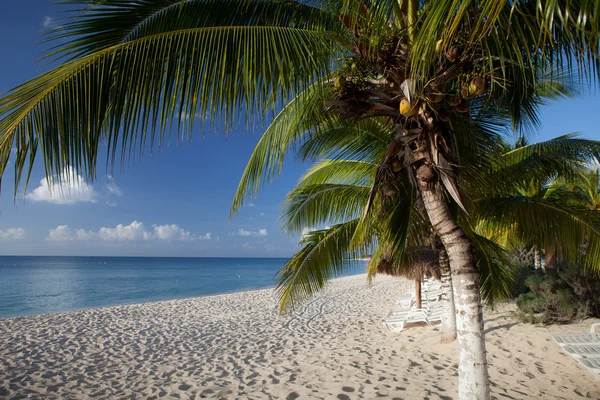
column 34, row 285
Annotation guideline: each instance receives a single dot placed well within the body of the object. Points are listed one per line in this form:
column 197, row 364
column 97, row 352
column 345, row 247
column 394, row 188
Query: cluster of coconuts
column 476, row 86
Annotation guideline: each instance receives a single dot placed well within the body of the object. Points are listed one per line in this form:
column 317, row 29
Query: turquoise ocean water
column 40, row 285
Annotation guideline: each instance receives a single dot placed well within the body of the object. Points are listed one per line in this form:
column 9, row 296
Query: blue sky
column 174, row 202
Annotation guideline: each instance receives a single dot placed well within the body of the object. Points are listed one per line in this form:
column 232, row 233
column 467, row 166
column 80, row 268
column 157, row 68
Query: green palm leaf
column 314, row 205
column 325, row 254
column 286, row 129
column 366, row 140
column 345, row 172
column 137, row 91
column 547, row 223
column 92, row 26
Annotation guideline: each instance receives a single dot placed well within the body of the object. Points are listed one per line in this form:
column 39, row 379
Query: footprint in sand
column 538, row 366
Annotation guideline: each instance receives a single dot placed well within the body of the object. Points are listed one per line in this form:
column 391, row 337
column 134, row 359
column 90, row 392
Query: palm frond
column 314, row 205
column 493, row 264
column 285, row 131
column 567, row 147
column 137, row 91
column 92, row 26
column 324, row 254
column 547, row 223
column 366, row 140
column 344, row 172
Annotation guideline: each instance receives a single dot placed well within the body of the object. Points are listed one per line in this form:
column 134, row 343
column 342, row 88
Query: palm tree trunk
column 418, row 293
column 449, row 316
column 537, row 263
column 473, row 380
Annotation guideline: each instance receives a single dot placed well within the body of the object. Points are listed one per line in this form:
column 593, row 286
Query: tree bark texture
column 473, row 380
column 448, row 326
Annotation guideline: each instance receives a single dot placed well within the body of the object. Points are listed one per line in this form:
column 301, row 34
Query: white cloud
column 247, row 246
column 60, row 233
column 174, row 232
column 112, row 187
column 262, row 214
column 82, row 234
column 71, row 189
column 206, row 237
column 12, row 234
column 251, row 204
column 260, row 232
column 132, row 232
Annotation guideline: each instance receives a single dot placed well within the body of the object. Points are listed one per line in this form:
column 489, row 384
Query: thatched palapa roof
column 421, row 262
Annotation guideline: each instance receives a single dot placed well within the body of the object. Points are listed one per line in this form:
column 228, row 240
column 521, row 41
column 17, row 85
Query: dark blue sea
column 40, row 285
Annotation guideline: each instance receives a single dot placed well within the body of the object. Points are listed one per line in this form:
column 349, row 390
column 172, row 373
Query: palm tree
column 130, row 71
column 335, row 192
column 547, row 176
column 588, row 186
column 581, row 191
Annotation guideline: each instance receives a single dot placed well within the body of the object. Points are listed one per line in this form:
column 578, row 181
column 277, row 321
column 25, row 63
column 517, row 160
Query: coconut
column 407, row 109
column 465, row 92
column 438, row 46
column 339, row 82
column 452, row 54
column 388, row 189
column 454, row 100
column 435, row 97
column 478, row 86
column 396, row 165
column 463, row 106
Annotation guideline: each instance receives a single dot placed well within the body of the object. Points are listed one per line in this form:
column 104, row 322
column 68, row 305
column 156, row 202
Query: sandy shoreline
column 237, row 346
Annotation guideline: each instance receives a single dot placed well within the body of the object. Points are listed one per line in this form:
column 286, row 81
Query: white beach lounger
column 592, row 365
column 591, row 338
column 435, row 314
column 433, row 295
column 427, row 293
column 404, row 311
column 397, row 322
column 406, row 300
column 585, row 348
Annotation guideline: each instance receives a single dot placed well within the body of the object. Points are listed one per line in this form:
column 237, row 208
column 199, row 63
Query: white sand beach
column 235, row 346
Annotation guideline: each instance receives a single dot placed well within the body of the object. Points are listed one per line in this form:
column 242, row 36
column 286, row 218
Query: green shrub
column 549, row 300
column 585, row 285
column 522, row 273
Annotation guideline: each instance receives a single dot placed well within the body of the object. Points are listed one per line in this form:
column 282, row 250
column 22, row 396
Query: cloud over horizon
column 12, row 234
column 260, row 232
column 132, row 232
